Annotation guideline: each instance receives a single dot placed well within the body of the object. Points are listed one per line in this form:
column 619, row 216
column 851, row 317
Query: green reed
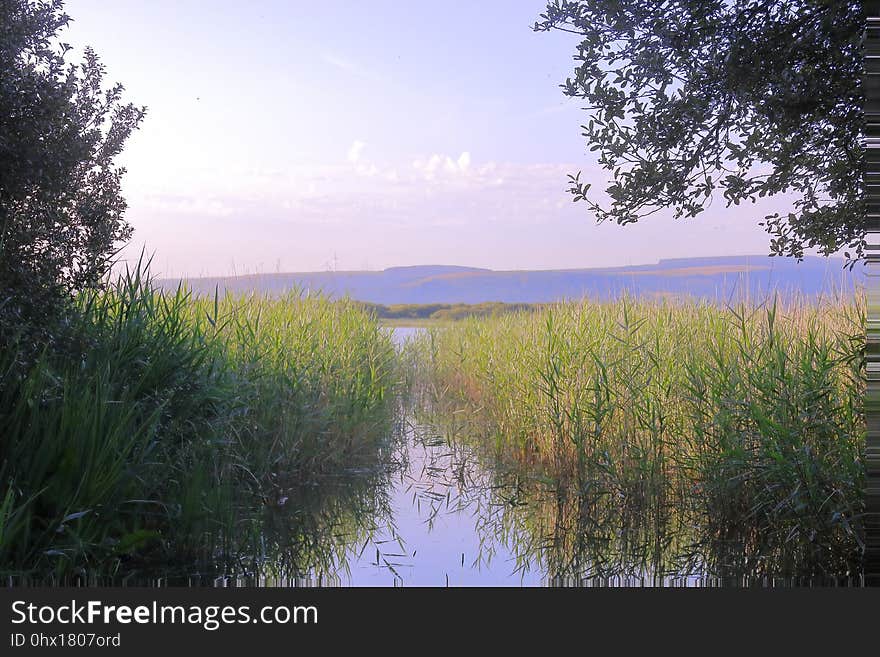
column 743, row 422
column 165, row 426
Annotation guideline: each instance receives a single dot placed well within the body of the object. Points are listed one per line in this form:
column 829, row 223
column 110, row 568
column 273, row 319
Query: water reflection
column 465, row 519
column 445, row 506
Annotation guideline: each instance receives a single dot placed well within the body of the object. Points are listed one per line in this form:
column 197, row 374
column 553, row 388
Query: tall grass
column 167, row 425
column 743, row 422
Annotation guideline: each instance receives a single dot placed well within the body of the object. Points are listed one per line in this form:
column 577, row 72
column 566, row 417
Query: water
column 401, row 334
column 438, row 500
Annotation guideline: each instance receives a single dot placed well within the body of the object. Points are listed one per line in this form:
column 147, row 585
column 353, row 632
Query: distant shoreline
column 722, row 278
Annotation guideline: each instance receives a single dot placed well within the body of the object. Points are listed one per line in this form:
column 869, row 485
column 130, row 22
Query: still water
column 437, row 535
column 438, row 503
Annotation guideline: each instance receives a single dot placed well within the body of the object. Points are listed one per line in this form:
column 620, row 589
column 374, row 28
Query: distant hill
column 709, row 277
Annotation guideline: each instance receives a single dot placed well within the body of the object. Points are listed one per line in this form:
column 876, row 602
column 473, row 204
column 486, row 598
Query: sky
column 310, row 136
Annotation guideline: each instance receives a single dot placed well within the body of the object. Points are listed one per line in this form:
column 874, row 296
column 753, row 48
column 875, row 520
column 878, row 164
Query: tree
column 61, row 211
column 752, row 97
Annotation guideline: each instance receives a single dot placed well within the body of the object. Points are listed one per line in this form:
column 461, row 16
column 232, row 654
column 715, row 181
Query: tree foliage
column 61, row 211
column 748, row 97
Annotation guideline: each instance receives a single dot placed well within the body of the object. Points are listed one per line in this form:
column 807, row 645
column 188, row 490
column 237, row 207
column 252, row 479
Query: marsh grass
column 743, row 424
column 167, row 426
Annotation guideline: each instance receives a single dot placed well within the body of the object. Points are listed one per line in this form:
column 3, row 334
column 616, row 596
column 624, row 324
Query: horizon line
column 784, row 259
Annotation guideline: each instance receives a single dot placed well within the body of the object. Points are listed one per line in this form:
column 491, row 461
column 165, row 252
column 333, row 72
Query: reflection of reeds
column 163, row 425
column 744, row 423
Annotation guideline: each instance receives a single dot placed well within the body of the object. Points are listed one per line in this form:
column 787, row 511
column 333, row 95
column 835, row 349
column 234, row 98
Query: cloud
column 355, row 150
column 443, row 164
column 433, row 190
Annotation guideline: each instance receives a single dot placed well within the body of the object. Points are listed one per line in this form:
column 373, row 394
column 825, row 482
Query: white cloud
column 355, row 150
column 445, row 164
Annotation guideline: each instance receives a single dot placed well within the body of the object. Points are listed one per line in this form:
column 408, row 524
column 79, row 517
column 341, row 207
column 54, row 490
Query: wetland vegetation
column 162, row 428
column 183, row 438
column 737, row 432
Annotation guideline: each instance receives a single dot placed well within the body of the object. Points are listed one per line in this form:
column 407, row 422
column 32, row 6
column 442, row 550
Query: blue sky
column 300, row 136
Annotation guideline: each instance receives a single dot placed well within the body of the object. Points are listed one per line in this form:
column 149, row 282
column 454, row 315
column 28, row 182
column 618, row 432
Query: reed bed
column 165, row 426
column 743, row 424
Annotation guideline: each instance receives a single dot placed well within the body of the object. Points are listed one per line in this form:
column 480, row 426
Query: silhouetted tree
column 752, row 97
column 61, row 211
